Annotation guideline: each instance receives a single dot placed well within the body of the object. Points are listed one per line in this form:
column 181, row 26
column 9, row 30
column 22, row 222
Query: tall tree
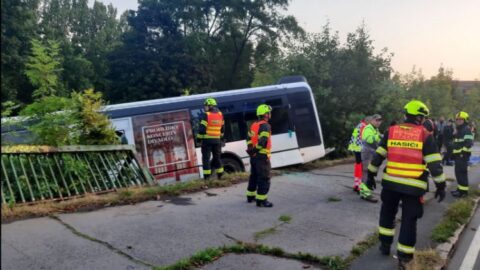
column 200, row 45
column 18, row 26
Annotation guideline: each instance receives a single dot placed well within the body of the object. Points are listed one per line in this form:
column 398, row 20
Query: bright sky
column 426, row 34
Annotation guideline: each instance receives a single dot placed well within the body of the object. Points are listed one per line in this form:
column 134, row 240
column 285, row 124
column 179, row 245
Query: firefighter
column 259, row 149
column 210, row 136
column 355, row 146
column 409, row 150
column 370, row 137
column 462, row 150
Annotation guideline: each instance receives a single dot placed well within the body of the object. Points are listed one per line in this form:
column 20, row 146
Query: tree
column 18, row 27
column 201, row 45
column 43, row 68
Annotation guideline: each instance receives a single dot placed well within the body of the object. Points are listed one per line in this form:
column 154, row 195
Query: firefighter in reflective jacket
column 409, row 150
column 210, row 135
column 259, row 149
column 462, row 149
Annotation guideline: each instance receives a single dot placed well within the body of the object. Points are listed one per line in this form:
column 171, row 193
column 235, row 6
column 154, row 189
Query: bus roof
column 255, row 90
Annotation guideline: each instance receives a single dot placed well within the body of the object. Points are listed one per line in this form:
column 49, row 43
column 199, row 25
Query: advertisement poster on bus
column 166, row 145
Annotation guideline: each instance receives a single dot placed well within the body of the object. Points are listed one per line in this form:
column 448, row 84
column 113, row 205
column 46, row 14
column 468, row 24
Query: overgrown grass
column 325, row 262
column 427, row 259
column 457, row 214
column 120, row 197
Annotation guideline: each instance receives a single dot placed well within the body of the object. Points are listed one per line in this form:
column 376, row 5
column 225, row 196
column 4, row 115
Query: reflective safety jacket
column 409, row 150
column 355, row 144
column 259, row 140
column 370, row 136
column 463, row 141
column 211, row 126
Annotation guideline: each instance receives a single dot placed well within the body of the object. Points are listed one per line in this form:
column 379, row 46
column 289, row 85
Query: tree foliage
column 42, row 68
column 174, row 47
column 65, row 121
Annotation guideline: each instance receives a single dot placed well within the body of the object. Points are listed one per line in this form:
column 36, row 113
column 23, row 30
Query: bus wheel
column 231, row 165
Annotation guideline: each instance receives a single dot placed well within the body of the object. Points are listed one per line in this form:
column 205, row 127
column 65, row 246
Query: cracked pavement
column 160, row 233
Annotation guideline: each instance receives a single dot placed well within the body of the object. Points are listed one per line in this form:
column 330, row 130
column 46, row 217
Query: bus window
column 280, row 121
column 303, row 117
column 235, row 129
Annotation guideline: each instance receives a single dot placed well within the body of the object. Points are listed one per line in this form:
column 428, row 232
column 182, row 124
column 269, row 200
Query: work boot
column 459, row 194
column 403, row 261
column 384, row 249
column 250, row 199
column 370, row 198
column 264, row 203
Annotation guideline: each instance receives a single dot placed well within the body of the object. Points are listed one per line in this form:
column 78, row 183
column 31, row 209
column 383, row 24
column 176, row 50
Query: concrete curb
column 445, row 250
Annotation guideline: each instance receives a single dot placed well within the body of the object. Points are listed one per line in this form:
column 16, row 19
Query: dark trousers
column 214, row 150
column 358, row 157
column 259, row 180
column 461, row 172
column 448, row 154
column 412, row 209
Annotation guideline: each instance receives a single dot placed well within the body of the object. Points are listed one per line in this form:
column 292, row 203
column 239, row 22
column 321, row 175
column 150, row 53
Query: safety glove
column 440, row 192
column 371, row 184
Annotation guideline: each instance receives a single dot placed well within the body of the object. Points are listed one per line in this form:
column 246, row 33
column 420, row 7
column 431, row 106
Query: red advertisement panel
column 166, row 146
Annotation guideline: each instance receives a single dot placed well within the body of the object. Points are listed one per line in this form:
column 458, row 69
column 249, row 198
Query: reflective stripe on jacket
column 404, row 148
column 355, row 144
column 257, row 136
column 463, row 140
column 214, row 125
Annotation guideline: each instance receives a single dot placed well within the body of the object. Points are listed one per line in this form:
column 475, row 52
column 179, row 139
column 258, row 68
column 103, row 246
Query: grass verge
column 457, row 214
column 119, row 197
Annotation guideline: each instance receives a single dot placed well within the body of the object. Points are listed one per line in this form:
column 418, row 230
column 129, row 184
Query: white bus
column 163, row 130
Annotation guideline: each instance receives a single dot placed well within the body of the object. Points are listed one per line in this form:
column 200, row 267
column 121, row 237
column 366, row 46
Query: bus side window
column 234, row 127
column 280, row 121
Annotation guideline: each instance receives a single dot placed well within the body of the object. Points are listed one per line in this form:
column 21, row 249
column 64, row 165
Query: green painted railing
column 37, row 173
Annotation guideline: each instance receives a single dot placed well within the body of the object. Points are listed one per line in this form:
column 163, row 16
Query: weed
column 264, row 233
column 334, row 199
column 425, row 259
column 285, row 218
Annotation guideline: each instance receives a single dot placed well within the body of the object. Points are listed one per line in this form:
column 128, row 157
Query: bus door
column 124, row 125
column 285, row 150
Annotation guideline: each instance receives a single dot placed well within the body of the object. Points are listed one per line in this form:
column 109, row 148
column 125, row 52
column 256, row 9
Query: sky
column 425, row 34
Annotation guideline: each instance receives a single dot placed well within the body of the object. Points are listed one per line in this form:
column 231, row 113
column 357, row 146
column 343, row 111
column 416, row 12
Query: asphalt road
column 327, row 218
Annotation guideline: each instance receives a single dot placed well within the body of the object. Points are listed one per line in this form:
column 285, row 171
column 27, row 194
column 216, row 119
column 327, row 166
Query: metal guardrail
column 37, row 173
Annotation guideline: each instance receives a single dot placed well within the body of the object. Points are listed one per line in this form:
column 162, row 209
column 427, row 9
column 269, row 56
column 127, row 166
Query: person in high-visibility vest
column 355, row 146
column 409, row 150
column 259, row 147
column 462, row 149
column 210, row 136
column 370, row 137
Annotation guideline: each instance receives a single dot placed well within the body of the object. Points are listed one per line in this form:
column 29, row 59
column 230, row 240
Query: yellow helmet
column 263, row 109
column 462, row 115
column 210, row 102
column 416, row 107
